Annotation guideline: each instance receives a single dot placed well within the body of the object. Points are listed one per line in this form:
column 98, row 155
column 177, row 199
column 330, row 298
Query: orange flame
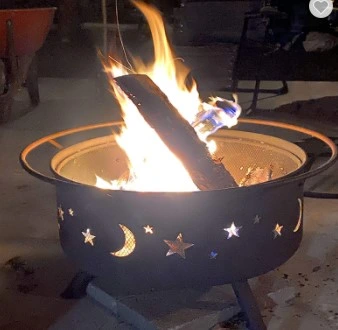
column 152, row 166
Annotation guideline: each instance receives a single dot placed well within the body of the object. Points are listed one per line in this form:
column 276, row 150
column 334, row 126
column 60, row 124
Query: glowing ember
column 152, row 166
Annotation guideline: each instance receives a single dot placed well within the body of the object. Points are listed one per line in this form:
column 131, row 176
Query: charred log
column 175, row 132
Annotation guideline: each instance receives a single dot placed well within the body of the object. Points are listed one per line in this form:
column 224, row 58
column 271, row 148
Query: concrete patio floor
column 302, row 294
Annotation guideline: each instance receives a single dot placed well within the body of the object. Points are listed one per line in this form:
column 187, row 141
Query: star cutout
column 61, row 213
column 71, row 212
column 213, row 255
column 178, row 246
column 148, row 229
column 278, row 230
column 88, row 237
column 257, row 219
column 232, row 230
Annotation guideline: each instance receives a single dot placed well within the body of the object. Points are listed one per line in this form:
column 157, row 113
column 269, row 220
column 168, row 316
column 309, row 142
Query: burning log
column 175, row 132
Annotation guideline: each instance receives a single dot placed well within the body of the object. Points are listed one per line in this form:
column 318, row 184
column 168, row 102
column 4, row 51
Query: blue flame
column 217, row 114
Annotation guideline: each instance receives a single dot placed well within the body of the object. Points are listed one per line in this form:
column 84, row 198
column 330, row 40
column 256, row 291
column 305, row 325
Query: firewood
column 175, row 132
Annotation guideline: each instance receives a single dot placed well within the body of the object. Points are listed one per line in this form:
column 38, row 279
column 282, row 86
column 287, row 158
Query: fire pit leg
column 77, row 287
column 249, row 305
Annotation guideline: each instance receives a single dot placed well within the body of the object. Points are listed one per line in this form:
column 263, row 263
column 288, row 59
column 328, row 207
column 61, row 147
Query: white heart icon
column 321, row 6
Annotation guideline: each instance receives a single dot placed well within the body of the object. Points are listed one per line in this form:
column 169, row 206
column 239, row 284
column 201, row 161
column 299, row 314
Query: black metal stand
column 249, row 305
column 78, row 286
column 76, row 289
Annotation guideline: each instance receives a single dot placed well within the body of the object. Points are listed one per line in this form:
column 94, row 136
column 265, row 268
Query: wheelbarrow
column 22, row 34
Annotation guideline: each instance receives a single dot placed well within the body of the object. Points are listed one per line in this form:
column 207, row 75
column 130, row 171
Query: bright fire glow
column 152, row 166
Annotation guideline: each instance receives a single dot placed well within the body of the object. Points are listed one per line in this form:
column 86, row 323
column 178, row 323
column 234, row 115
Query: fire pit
column 135, row 230
column 168, row 203
column 153, row 241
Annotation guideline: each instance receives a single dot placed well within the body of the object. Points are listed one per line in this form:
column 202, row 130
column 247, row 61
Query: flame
column 152, row 166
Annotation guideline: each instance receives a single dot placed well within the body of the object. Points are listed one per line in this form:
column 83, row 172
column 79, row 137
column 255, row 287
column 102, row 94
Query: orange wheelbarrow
column 22, row 33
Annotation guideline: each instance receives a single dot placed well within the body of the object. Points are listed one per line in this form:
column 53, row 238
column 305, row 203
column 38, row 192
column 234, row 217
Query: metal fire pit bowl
column 238, row 150
column 267, row 217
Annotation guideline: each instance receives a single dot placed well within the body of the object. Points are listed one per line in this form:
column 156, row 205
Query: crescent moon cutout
column 129, row 243
column 300, row 215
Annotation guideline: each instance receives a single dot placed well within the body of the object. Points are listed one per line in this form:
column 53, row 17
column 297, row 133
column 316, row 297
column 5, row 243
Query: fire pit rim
column 283, row 180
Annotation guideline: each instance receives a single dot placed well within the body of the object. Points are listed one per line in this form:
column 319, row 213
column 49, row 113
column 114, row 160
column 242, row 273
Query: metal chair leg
column 256, row 91
column 235, row 81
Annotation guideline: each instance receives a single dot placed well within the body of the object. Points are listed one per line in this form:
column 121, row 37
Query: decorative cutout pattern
column 88, row 237
column 213, row 255
column 257, row 219
column 232, row 230
column 178, row 246
column 277, row 231
column 148, row 229
column 129, row 243
column 61, row 213
column 300, row 216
